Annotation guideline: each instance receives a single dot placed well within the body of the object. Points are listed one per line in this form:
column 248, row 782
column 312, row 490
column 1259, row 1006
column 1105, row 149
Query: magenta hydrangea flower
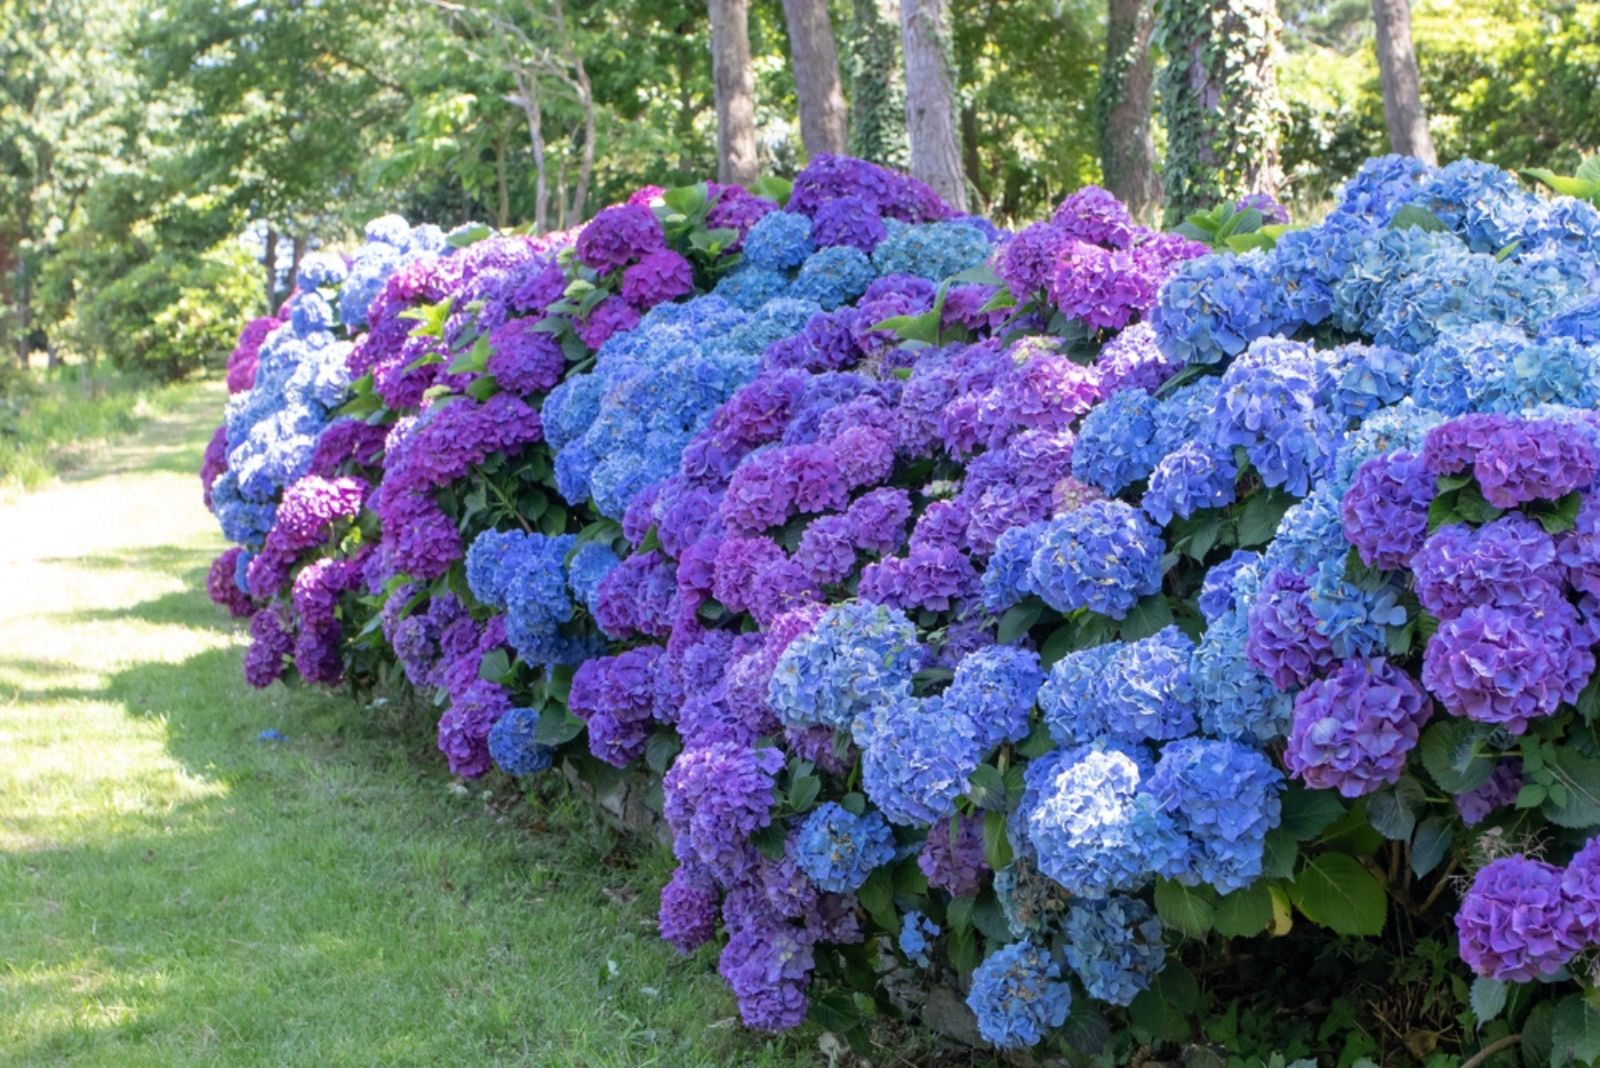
column 271, row 640
column 1352, row 730
column 1094, row 215
column 1534, row 460
column 525, row 359
column 1509, row 666
column 688, row 916
column 222, row 586
column 1510, row 562
column 659, row 276
column 618, row 236
column 1498, row 790
column 1516, row 923
column 1385, row 512
column 611, row 316
column 1105, row 288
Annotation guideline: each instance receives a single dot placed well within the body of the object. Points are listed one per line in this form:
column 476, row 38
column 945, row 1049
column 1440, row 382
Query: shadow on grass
column 171, row 443
column 166, row 559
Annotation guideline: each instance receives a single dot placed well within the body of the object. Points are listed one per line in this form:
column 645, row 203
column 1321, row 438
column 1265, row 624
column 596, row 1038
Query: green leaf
column 687, row 200
column 989, row 918
column 1391, row 814
column 773, row 188
column 1147, row 617
column 1575, row 1032
column 1279, row 854
column 803, row 792
column 987, row 788
column 877, row 897
column 1260, row 516
column 1589, row 169
column 1411, row 216
column 1451, row 753
column 1580, row 774
column 958, row 914
column 997, row 851
column 659, row 751
column 495, row 666
column 1537, row 1038
column 1161, row 1013
column 1307, row 813
column 1018, row 620
column 1244, row 913
column 1430, row 845
column 557, row 726
column 961, row 945
column 1335, row 891
column 470, row 235
column 771, row 840
column 1488, row 998
column 1189, row 910
column 854, row 803
column 1567, row 185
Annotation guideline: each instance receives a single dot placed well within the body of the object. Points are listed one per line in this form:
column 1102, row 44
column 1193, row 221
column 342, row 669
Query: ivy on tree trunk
column 877, row 94
column 1220, row 100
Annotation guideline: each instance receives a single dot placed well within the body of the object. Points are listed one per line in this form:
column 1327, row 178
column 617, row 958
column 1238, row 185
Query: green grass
column 53, row 422
column 174, row 891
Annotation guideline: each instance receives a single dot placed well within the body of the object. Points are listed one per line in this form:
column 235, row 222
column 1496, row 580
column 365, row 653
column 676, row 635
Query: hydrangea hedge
column 1125, row 633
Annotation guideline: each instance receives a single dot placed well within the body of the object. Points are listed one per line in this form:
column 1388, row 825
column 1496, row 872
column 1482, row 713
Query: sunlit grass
column 53, row 422
column 174, row 891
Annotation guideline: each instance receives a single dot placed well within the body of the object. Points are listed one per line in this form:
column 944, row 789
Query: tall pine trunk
column 735, row 82
column 877, row 92
column 930, row 99
column 823, row 116
column 1402, row 85
column 1219, row 92
column 1127, row 81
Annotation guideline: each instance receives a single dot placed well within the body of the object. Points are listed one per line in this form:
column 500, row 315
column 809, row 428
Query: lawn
column 174, row 890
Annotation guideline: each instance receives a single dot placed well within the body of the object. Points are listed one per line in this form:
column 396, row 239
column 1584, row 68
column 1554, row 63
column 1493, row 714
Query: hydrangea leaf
column 557, row 726
column 1581, row 776
column 1307, row 813
column 1244, row 913
column 1488, row 998
column 1336, row 892
column 1451, row 754
column 1190, row 910
column 1575, row 1032
column 1430, row 845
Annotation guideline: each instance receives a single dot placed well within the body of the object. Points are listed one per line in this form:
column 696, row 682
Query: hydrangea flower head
column 1104, row 557
column 1515, row 923
column 1353, row 730
column 838, row 849
column 1018, row 995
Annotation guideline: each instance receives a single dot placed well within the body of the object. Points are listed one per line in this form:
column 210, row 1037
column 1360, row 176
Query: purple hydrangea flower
column 1515, row 922
column 1353, row 730
column 1385, row 512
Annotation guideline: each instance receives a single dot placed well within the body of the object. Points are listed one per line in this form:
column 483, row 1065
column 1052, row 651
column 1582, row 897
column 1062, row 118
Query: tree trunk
column 527, row 97
column 1402, row 86
column 930, row 99
column 823, row 117
column 735, row 81
column 270, row 259
column 502, row 208
column 877, row 95
column 297, row 251
column 1219, row 91
column 1127, row 151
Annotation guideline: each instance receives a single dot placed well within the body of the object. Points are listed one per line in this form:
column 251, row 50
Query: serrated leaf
column 1391, row 815
column 1189, row 910
column 557, row 726
column 659, row 751
column 1488, row 998
column 1148, row 617
column 771, row 840
column 961, row 946
column 1307, row 813
column 854, row 803
column 987, row 787
column 989, row 918
column 1260, row 516
column 997, row 851
column 1278, row 855
column 1162, row 1012
column 1017, row 621
column 1430, row 845
column 877, row 897
column 1580, row 774
column 1244, row 913
column 1575, row 1032
column 803, row 792
column 1336, row 892
column 1450, row 751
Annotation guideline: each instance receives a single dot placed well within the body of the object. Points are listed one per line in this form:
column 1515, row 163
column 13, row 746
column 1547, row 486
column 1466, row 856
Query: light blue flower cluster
column 1018, row 995
column 934, row 251
column 994, row 687
column 1129, row 691
column 390, row 243
column 1102, row 557
column 859, row 656
column 917, row 933
column 838, row 849
column 1115, row 947
column 916, row 758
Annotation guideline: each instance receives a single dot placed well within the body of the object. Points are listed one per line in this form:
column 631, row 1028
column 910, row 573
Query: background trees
column 140, row 138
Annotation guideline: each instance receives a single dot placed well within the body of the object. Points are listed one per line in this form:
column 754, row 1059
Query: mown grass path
column 174, row 891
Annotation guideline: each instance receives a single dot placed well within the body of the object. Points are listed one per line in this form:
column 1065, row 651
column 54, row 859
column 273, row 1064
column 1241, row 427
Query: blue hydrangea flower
column 1269, row 406
column 917, row 933
column 1232, row 698
column 1006, row 578
column 590, row 562
column 839, row 849
column 1116, row 444
column 1214, row 306
column 779, row 241
column 1102, row 557
column 1096, row 830
column 833, row 276
column 915, row 758
column 1227, row 586
column 995, row 688
column 1382, row 186
column 1223, row 797
column 1146, row 694
column 1354, row 618
column 1017, row 995
column 1487, row 206
column 934, row 251
column 1192, row 477
column 747, row 288
column 1115, row 946
column 1072, row 699
column 857, row 657
column 512, row 745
